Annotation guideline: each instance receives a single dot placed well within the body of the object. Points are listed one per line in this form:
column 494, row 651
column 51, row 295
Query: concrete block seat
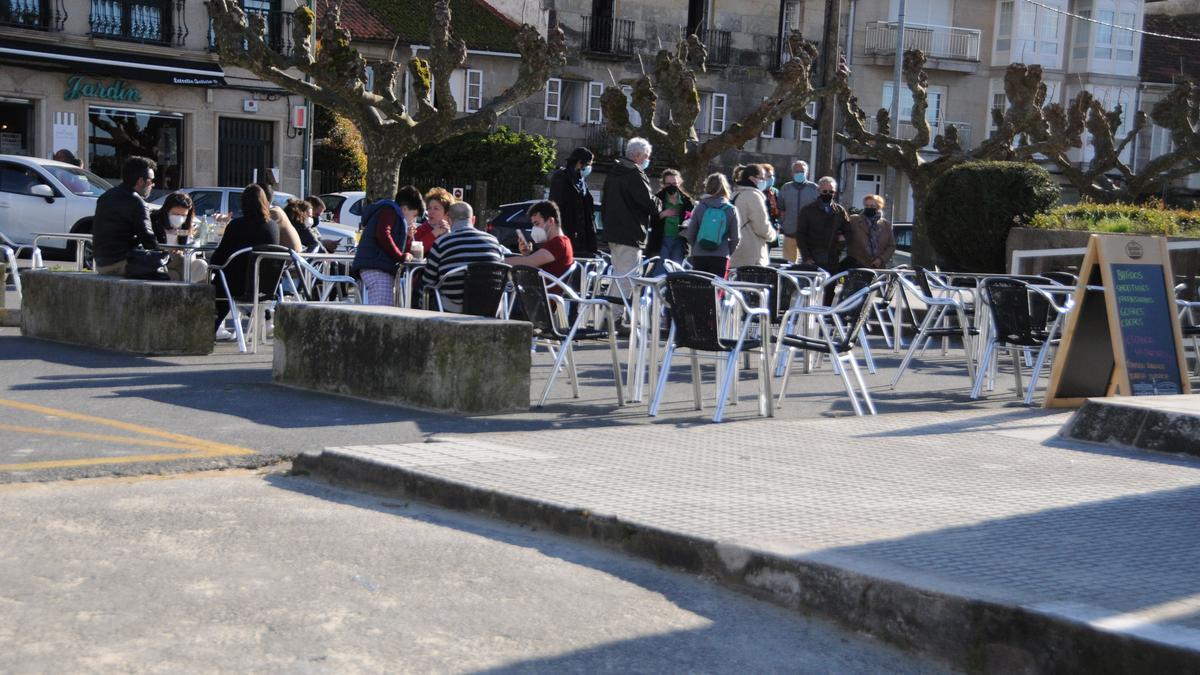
column 125, row 315
column 407, row 357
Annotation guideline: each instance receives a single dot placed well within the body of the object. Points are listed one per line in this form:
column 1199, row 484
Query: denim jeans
column 673, row 249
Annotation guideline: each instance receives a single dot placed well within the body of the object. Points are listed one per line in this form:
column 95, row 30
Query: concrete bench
column 407, row 357
column 139, row 317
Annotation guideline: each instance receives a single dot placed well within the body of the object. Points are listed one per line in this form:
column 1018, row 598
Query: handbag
column 148, row 265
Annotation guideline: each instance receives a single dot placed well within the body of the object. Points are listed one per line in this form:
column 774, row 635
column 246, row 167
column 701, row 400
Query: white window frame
column 474, row 101
column 553, row 99
column 595, row 111
column 1004, row 33
column 805, row 132
column 701, row 124
column 716, row 123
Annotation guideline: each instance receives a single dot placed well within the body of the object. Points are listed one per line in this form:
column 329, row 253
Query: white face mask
column 176, row 221
column 538, row 234
column 308, row 221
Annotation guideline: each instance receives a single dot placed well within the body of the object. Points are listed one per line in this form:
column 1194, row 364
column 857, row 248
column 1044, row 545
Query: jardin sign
column 116, row 90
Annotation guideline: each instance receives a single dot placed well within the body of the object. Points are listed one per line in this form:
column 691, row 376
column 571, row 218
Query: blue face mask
column 585, row 171
column 799, row 177
column 645, row 164
column 764, row 184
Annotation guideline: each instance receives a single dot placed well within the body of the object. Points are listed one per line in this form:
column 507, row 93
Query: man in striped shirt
column 461, row 245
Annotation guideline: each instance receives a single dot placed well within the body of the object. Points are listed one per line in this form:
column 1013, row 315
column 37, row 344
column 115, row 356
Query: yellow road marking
column 198, row 446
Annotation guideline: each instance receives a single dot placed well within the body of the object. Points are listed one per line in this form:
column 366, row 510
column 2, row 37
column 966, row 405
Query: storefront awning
column 141, row 67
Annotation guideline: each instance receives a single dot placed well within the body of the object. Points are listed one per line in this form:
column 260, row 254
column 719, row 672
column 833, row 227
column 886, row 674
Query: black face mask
column 827, row 198
column 871, row 212
column 671, row 189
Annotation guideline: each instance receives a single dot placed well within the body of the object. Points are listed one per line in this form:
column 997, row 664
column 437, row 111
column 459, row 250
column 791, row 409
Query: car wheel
column 82, row 227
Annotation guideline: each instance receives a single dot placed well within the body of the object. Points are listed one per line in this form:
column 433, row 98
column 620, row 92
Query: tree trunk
column 922, row 246
column 384, row 157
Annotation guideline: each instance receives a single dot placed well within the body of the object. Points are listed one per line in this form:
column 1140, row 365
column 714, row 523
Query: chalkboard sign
column 1123, row 336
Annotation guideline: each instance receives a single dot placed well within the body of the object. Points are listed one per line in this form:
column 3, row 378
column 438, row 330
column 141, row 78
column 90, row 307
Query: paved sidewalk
column 982, row 505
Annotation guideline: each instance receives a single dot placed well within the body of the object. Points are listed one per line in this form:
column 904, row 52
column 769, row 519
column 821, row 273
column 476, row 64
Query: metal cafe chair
column 12, row 251
column 260, row 286
column 939, row 309
column 484, row 288
column 552, row 329
column 700, row 305
column 1019, row 325
column 319, row 285
column 837, row 339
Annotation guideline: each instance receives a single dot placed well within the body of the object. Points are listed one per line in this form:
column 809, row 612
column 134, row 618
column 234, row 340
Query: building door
column 867, row 181
column 16, row 127
column 243, row 146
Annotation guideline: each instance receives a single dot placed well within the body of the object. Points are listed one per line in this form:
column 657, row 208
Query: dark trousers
column 713, row 264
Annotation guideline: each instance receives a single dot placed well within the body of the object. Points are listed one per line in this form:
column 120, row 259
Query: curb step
column 1159, row 423
column 976, row 634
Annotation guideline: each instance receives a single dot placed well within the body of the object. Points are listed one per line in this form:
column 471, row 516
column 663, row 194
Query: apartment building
column 1163, row 60
column 107, row 79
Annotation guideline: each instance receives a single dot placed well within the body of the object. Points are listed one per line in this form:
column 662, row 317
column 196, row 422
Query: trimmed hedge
column 1120, row 218
column 971, row 208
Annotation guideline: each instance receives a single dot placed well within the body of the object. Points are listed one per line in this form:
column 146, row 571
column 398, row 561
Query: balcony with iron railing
column 33, row 14
column 278, row 33
column 717, row 42
column 938, row 42
column 147, row 21
column 606, row 35
column 906, row 130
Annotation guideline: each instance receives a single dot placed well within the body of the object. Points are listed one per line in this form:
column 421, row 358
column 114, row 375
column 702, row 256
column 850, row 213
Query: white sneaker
column 225, row 335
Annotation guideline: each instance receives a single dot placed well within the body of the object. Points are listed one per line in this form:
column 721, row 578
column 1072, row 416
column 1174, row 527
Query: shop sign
column 116, row 90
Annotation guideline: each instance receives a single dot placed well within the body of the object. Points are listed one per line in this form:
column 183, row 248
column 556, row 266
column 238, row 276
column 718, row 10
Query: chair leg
column 663, row 372
column 866, row 393
column 570, row 350
column 912, row 349
column 1017, row 355
column 849, row 386
column 867, row 355
column 616, row 364
column 983, row 369
column 558, row 362
column 787, row 372
column 696, row 379
column 727, row 382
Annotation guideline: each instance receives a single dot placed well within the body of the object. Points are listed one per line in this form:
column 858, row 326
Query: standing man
column 793, row 196
column 629, row 204
column 569, row 190
column 122, row 221
column 818, row 226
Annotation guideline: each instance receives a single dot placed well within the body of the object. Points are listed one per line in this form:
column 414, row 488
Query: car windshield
column 78, row 181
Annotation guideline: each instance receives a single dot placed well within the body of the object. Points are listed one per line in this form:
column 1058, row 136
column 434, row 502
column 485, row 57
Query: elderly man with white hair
column 819, row 225
column 629, row 204
column 793, row 196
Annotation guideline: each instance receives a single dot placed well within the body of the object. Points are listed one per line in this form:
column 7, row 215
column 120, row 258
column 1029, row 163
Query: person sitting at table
column 254, row 227
column 174, row 223
column 437, row 219
column 299, row 212
column 288, row 236
column 463, row 245
column 872, row 243
column 554, row 253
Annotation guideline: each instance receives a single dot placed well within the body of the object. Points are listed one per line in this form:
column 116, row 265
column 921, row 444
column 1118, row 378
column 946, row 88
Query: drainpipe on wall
column 306, row 159
column 893, row 176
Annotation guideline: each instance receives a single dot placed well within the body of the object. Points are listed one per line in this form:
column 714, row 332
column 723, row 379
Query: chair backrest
column 922, row 276
column 692, row 303
column 768, row 276
column 483, row 288
column 856, row 310
column 534, row 299
column 270, row 272
column 856, row 279
column 1008, row 301
column 1064, row 278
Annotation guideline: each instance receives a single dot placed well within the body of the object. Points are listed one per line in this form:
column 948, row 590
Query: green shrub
column 1124, row 218
column 339, row 153
column 972, row 207
column 500, row 156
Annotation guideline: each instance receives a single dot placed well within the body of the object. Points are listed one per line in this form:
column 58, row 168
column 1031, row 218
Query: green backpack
column 711, row 234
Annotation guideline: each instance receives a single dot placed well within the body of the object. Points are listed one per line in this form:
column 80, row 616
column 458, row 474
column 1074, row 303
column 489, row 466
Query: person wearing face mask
column 819, row 225
column 174, row 223
column 793, row 196
column 122, row 221
column 299, row 212
column 569, row 191
column 554, row 253
column 872, row 243
column 666, row 239
column 755, row 232
column 629, row 204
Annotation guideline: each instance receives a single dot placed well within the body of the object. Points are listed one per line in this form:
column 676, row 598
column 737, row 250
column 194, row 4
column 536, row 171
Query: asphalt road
column 260, row 571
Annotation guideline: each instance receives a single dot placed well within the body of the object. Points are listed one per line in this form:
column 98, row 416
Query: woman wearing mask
column 173, row 223
column 554, row 253
column 569, row 191
column 756, row 230
column 716, row 196
column 299, row 212
column 666, row 238
column 871, row 242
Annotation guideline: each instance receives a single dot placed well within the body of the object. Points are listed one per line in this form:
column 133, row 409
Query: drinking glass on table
column 418, row 251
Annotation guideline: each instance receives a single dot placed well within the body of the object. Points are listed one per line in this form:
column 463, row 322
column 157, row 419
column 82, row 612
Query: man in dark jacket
column 122, row 221
column 569, row 190
column 629, row 204
column 818, row 226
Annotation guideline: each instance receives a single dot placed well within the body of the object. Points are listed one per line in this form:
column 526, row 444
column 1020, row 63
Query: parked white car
column 345, row 208
column 212, row 200
column 41, row 195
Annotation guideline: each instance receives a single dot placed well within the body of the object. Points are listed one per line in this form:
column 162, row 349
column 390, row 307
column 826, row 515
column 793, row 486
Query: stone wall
column 408, row 357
